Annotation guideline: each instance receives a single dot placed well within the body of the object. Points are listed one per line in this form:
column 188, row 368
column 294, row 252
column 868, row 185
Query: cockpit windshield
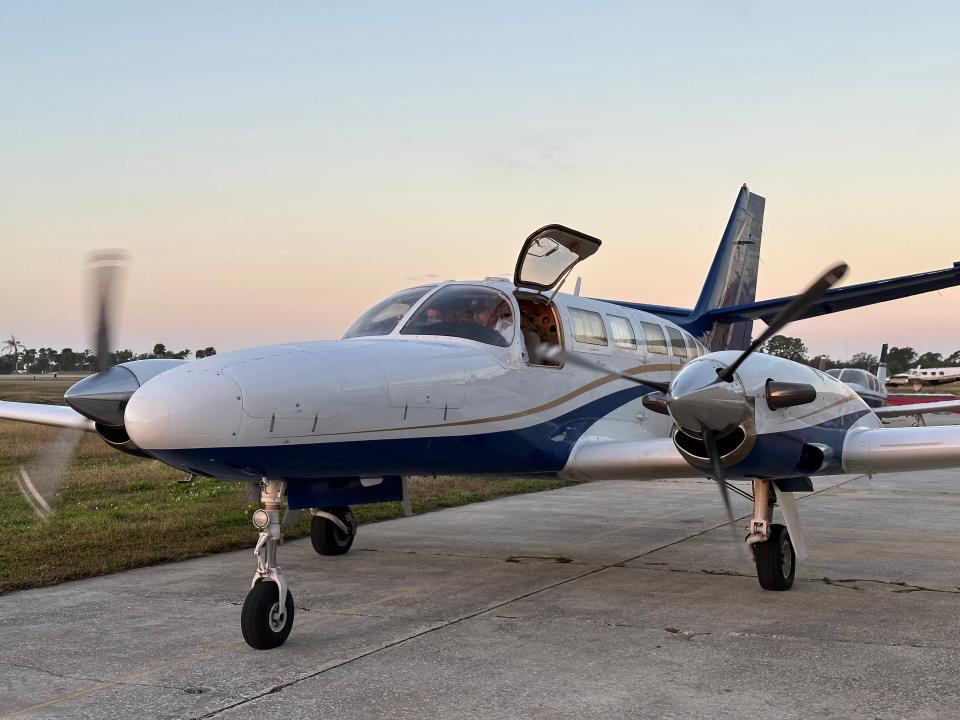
column 466, row 311
column 383, row 317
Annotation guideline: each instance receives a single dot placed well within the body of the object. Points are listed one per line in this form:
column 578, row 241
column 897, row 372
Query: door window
column 549, row 254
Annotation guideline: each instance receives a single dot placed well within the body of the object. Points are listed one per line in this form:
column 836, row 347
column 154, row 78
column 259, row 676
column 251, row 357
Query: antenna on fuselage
column 576, row 288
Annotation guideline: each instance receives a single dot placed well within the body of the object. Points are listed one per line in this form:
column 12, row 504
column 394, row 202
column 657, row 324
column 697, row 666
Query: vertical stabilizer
column 732, row 279
column 882, row 367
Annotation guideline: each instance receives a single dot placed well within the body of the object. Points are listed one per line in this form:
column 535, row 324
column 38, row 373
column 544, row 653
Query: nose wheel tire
column 327, row 538
column 776, row 561
column 264, row 623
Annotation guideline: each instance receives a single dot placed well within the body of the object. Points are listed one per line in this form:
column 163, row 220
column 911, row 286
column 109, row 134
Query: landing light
column 261, row 518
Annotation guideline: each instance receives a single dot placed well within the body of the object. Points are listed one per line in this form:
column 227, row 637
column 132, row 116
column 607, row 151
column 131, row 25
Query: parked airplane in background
column 504, row 377
column 868, row 386
column 873, row 391
column 918, row 378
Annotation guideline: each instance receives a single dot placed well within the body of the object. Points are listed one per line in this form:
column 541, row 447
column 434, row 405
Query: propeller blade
column 555, row 352
column 39, row 480
column 105, row 267
column 710, row 440
column 799, row 305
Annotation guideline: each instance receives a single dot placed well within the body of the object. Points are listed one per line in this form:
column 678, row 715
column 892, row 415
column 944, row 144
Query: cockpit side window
column 465, row 311
column 383, row 317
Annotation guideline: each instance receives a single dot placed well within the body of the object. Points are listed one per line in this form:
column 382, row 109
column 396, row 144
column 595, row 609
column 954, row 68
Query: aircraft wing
column 944, row 406
column 879, row 450
column 650, row 459
column 55, row 415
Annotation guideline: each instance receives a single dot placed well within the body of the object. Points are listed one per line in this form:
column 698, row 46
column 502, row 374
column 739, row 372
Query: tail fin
column 725, row 311
column 732, row 279
column 731, row 282
column 882, row 367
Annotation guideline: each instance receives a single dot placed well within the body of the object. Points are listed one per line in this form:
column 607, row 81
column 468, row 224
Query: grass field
column 116, row 511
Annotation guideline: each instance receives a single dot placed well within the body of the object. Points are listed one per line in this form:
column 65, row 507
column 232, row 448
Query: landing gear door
column 549, row 254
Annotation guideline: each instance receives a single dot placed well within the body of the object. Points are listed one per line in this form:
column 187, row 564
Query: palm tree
column 13, row 347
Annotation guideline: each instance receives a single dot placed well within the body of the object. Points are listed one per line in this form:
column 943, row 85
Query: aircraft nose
column 185, row 408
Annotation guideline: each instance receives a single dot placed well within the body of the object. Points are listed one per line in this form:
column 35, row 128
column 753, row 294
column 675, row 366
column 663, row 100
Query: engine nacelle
column 103, row 397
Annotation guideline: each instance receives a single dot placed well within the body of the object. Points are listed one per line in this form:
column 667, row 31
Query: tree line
column 16, row 357
column 899, row 359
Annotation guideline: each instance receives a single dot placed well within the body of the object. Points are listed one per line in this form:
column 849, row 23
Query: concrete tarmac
column 607, row 600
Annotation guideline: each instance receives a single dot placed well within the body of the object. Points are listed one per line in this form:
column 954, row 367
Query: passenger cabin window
column 676, row 342
column 465, row 311
column 622, row 331
column 588, row 327
column 383, row 317
column 656, row 341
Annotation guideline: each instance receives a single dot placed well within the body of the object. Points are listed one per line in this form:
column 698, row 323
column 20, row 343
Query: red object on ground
column 911, row 398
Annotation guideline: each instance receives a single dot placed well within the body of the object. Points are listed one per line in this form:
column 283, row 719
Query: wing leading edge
column 891, row 411
column 652, row 459
column 53, row 415
column 880, row 450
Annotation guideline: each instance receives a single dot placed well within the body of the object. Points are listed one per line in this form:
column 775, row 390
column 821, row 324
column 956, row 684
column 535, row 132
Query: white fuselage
column 398, row 404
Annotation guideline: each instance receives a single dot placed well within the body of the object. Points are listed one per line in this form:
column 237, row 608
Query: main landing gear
column 266, row 620
column 772, row 548
column 332, row 530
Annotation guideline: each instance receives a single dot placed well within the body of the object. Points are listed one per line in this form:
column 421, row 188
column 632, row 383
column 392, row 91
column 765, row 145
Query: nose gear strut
column 267, row 615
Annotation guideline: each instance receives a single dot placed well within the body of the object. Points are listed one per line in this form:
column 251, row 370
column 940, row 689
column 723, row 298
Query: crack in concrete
column 96, row 681
column 905, row 587
column 844, row 583
column 689, row 634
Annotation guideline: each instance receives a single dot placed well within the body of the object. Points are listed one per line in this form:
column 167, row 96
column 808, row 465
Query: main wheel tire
column 262, row 625
column 776, row 560
column 327, row 538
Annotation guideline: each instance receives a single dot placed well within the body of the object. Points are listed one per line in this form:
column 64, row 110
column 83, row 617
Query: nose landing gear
column 773, row 551
column 266, row 620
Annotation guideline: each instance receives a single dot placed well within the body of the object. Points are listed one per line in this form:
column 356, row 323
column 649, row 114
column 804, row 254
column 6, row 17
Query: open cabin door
column 549, row 254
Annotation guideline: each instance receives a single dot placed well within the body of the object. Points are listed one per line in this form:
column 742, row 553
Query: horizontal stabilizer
column 53, row 415
column 847, row 298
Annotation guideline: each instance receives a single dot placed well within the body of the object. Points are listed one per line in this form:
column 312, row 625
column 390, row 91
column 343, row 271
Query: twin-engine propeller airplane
column 500, row 377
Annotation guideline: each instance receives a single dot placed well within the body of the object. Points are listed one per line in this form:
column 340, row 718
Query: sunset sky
column 274, row 168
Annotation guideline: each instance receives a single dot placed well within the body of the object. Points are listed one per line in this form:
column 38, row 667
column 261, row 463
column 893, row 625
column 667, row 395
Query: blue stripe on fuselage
column 541, row 448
